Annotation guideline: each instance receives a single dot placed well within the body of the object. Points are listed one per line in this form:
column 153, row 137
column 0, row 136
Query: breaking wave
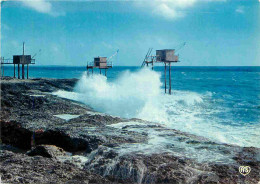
column 140, row 95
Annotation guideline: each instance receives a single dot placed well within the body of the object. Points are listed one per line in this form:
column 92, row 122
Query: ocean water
column 219, row 103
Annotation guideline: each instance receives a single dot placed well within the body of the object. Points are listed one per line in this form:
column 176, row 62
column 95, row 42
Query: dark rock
column 20, row 168
column 13, row 133
column 97, row 119
column 163, row 168
column 48, row 151
column 63, row 140
column 28, row 108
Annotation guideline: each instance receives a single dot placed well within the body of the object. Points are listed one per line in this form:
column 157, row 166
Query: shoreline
column 28, row 107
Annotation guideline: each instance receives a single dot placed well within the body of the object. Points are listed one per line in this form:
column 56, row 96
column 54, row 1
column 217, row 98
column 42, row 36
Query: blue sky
column 217, row 32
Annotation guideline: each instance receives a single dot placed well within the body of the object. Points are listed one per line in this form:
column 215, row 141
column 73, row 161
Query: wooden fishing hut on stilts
column 102, row 63
column 166, row 56
column 18, row 60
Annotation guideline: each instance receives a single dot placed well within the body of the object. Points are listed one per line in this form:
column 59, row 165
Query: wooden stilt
column 92, row 71
column 100, row 71
column 165, row 56
column 18, row 71
column 22, row 71
column 3, row 67
column 170, row 85
column 105, row 72
column 3, row 70
column 165, row 77
column 14, row 70
column 27, row 71
column 23, row 64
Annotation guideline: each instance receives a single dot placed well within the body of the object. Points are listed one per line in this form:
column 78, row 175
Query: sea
column 218, row 103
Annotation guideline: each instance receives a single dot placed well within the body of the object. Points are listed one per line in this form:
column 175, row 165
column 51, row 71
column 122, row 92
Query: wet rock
column 163, row 168
column 20, row 168
column 28, row 106
column 97, row 119
column 61, row 139
column 13, row 133
column 113, row 154
column 49, row 151
column 138, row 168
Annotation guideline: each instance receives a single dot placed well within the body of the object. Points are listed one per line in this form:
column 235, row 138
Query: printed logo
column 244, row 170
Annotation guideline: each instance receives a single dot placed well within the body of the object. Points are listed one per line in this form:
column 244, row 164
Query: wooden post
column 92, row 71
column 22, row 71
column 23, row 63
column 165, row 68
column 14, row 70
column 3, row 70
column 27, row 71
column 99, row 70
column 3, row 67
column 18, row 71
column 170, row 85
column 105, row 72
column 152, row 65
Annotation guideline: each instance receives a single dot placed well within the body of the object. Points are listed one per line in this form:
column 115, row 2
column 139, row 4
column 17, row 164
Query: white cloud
column 170, row 9
column 240, row 9
column 42, row 6
column 214, row 0
column 166, row 11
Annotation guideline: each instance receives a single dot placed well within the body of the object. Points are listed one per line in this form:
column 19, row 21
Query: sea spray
column 125, row 97
column 140, row 95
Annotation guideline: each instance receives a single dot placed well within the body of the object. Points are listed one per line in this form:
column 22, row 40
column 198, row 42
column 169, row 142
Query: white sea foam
column 139, row 94
column 126, row 97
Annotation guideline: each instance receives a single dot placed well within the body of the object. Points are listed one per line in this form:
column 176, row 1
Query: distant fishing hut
column 18, row 60
column 102, row 63
column 166, row 56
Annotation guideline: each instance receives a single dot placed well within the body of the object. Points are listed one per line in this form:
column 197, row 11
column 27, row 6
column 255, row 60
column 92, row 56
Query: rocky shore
column 48, row 139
